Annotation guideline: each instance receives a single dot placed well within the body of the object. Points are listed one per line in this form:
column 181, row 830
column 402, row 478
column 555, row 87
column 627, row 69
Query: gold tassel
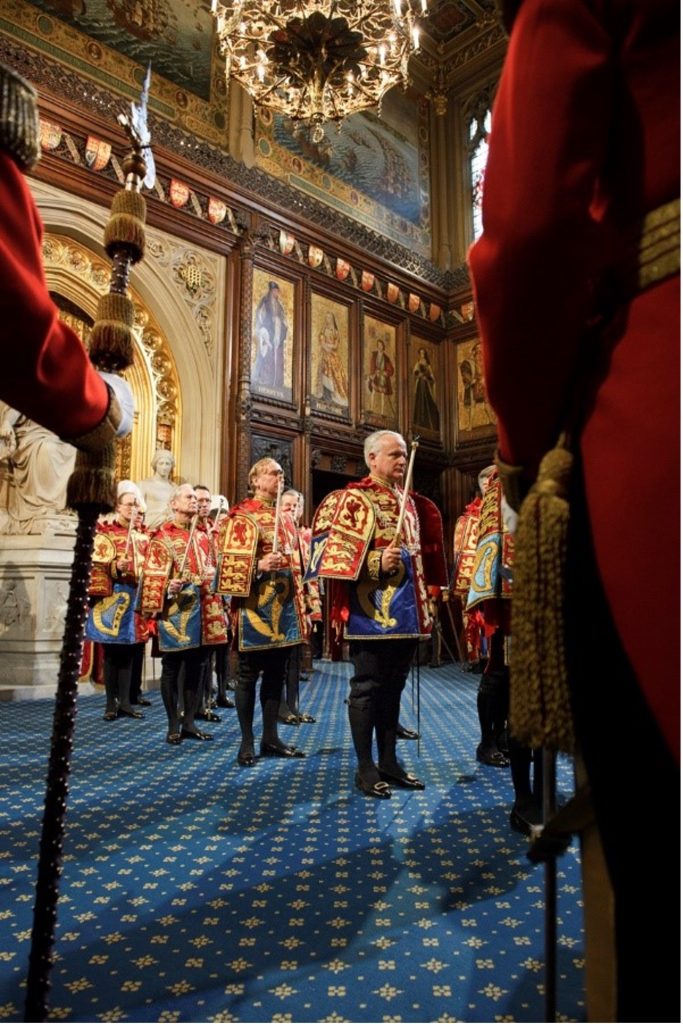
column 122, row 230
column 540, row 709
column 111, row 340
column 92, row 481
column 126, row 225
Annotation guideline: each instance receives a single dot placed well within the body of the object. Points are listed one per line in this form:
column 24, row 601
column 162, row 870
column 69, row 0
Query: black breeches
column 380, row 672
column 180, row 667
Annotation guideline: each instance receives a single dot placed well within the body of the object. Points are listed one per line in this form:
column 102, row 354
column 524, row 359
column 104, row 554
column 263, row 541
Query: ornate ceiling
column 177, row 37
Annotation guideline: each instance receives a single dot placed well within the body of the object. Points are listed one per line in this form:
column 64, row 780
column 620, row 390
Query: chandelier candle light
column 316, row 61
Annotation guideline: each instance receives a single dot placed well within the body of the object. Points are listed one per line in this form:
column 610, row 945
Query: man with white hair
column 118, row 555
column 257, row 568
column 382, row 547
column 177, row 587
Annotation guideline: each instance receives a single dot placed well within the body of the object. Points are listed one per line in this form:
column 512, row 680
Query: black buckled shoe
column 524, row 816
column 406, row 734
column 195, row 734
column 401, row 778
column 129, row 713
column 280, row 750
column 379, row 789
column 492, row 756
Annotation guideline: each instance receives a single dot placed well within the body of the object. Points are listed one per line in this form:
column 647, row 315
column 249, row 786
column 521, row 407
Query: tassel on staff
column 540, row 710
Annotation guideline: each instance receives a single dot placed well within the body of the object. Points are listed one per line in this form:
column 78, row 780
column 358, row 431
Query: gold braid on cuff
column 105, row 431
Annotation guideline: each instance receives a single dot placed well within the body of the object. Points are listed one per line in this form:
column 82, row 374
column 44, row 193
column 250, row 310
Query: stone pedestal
column 34, row 588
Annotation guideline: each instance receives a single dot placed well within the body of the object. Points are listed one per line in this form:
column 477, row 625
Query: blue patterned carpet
column 194, row 890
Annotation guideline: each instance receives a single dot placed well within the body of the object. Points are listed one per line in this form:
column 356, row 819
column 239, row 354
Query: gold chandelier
column 318, row 60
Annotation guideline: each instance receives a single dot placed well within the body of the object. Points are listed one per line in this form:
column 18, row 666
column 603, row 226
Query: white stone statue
column 36, row 466
column 158, row 489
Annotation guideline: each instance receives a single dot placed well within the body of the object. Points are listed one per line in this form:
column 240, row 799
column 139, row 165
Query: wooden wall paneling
column 276, row 446
column 234, row 417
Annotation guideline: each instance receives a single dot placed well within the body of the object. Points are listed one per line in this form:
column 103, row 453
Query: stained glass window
column 480, row 127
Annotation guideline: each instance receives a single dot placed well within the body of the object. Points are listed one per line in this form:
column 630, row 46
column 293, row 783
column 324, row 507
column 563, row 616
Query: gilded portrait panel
column 272, row 336
column 329, row 352
column 475, row 415
column 425, row 383
column 380, row 381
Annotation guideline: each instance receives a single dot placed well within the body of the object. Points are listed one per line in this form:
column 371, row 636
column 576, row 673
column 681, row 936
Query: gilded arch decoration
column 80, row 276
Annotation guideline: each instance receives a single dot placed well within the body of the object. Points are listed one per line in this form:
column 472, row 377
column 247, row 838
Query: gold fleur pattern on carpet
column 197, row 890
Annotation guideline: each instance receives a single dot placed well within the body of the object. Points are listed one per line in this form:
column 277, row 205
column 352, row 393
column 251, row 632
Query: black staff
column 90, row 491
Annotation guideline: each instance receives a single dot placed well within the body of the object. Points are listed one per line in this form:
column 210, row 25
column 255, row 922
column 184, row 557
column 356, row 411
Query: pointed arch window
column 479, row 130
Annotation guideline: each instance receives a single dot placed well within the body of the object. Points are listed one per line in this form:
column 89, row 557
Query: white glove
column 124, row 397
column 510, row 517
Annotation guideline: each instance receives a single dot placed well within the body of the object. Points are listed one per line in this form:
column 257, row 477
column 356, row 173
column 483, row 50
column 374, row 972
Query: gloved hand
column 510, row 517
column 124, row 397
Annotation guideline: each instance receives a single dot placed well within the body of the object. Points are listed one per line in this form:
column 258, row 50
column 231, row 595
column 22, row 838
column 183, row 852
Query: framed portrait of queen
column 272, row 336
column 329, row 350
column 380, row 383
column 425, row 377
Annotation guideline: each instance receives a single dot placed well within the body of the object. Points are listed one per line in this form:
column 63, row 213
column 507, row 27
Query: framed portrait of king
column 425, row 384
column 476, row 418
column 272, row 337
column 380, row 381
column 329, row 351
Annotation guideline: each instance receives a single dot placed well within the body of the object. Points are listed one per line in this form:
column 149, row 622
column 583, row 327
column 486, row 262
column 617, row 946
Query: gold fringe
column 111, row 345
column 123, row 230
column 130, row 202
column 111, row 340
column 93, row 480
column 540, row 710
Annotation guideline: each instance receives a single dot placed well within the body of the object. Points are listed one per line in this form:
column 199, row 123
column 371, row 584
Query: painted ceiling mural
column 174, row 35
column 374, row 170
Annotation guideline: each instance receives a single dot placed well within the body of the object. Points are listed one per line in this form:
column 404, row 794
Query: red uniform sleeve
column 541, row 247
column 46, row 373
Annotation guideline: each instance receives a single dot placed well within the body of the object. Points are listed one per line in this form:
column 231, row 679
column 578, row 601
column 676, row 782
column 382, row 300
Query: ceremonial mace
column 193, row 524
column 90, row 491
column 406, row 488
column 397, row 537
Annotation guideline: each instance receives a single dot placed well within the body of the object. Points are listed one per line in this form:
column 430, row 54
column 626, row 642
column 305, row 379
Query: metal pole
column 550, row 869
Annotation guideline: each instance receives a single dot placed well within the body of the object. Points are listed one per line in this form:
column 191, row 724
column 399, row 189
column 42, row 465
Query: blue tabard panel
column 181, row 627
column 317, row 548
column 485, row 582
column 268, row 617
column 112, row 619
column 384, row 608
